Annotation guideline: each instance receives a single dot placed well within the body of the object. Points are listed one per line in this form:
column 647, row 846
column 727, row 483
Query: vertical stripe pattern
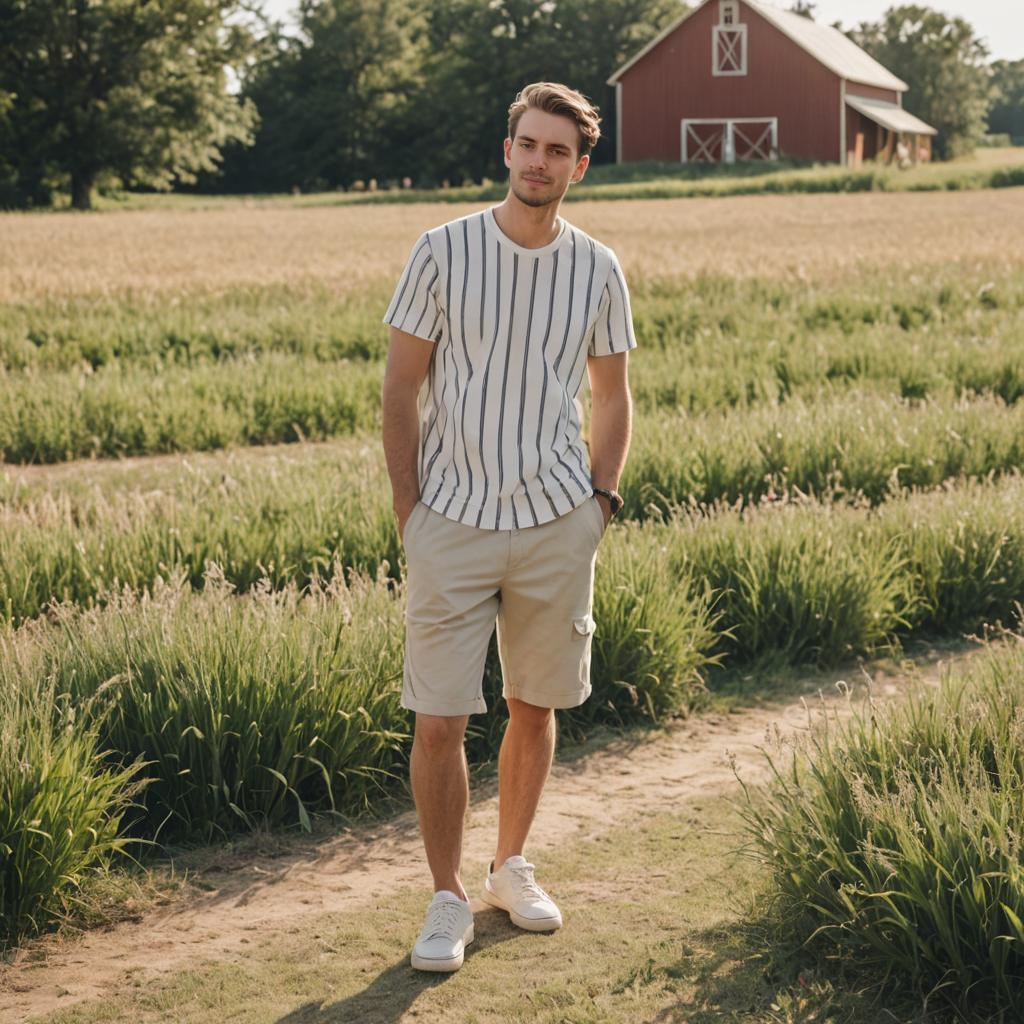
column 513, row 328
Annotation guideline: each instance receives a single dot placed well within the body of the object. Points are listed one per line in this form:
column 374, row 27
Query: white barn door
column 726, row 140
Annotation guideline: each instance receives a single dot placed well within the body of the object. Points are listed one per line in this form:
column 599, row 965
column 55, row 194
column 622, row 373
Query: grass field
column 989, row 167
column 826, row 464
column 167, row 255
column 899, row 845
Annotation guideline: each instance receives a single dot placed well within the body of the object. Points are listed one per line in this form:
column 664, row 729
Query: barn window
column 728, row 13
column 729, row 50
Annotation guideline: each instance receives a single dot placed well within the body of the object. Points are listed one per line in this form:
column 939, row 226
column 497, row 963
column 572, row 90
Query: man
column 493, row 323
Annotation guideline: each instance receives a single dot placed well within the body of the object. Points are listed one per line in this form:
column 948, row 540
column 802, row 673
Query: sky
column 999, row 22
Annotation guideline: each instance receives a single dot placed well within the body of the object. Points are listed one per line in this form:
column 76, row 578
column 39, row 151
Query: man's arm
column 408, row 359
column 611, row 421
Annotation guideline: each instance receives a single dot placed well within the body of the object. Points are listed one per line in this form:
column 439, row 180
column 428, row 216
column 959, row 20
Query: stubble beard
column 534, row 200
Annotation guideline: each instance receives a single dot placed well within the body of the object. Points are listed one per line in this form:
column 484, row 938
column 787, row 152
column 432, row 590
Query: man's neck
column 532, row 227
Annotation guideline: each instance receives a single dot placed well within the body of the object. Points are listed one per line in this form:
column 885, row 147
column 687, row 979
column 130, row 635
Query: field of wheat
column 170, row 255
column 826, row 461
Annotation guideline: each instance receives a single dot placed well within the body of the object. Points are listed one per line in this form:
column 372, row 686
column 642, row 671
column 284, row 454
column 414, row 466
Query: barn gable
column 824, row 43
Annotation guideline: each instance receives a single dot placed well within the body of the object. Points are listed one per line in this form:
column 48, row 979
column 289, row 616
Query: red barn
column 740, row 80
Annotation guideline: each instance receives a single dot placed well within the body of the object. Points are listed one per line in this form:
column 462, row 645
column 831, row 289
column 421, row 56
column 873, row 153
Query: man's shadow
column 390, row 995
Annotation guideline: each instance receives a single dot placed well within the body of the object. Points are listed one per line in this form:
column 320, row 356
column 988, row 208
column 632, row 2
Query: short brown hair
column 555, row 98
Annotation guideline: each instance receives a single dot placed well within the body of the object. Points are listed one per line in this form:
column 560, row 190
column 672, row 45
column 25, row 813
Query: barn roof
column 889, row 115
column 833, row 49
column 826, row 44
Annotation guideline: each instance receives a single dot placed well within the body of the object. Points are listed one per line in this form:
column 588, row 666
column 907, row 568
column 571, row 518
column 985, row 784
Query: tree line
column 214, row 95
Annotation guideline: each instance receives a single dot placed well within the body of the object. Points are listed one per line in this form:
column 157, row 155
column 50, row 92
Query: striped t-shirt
column 500, row 444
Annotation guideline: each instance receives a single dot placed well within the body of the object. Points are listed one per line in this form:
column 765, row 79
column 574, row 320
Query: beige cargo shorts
column 537, row 582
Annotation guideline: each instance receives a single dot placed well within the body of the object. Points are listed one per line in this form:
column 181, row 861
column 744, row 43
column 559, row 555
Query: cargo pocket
column 582, row 644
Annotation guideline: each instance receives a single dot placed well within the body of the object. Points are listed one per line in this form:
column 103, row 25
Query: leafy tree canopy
column 481, row 54
column 1007, row 113
column 389, row 89
column 333, row 100
column 138, row 91
column 945, row 65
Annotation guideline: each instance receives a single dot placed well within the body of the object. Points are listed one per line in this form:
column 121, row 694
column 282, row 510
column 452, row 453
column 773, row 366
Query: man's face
column 542, row 157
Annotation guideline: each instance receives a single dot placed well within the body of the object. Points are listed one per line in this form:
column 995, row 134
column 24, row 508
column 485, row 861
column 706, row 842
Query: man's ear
column 508, row 149
column 581, row 169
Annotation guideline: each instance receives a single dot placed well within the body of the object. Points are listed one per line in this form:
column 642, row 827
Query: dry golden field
column 814, row 237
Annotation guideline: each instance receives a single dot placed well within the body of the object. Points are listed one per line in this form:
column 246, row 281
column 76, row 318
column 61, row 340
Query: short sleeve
column 414, row 307
column 613, row 329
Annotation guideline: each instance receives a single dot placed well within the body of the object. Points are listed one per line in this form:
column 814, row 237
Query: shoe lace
column 527, row 883
column 442, row 920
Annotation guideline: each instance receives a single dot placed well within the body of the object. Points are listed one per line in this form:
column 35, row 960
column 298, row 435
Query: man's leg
column 545, row 632
column 523, row 765
column 440, row 787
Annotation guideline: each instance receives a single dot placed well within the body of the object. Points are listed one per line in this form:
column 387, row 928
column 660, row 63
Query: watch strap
column 614, row 498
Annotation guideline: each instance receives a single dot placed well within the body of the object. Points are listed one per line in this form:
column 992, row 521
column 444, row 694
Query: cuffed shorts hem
column 569, row 699
column 445, row 708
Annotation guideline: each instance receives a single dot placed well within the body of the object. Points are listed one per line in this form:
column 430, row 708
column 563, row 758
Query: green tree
column 420, row 88
column 134, row 90
column 333, row 99
column 945, row 65
column 479, row 55
column 1006, row 115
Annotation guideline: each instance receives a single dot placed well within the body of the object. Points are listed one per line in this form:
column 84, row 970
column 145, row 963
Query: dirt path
column 257, row 897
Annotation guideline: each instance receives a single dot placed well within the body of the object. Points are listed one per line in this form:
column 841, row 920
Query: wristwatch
column 614, row 498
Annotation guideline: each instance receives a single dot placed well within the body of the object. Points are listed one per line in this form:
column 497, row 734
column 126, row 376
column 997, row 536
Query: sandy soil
column 586, row 795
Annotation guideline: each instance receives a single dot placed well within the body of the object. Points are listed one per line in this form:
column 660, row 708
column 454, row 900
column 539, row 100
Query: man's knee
column 437, row 735
column 530, row 715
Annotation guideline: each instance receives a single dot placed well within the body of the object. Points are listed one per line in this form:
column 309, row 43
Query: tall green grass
column 157, row 331
column 894, row 839
column 267, row 708
column 804, row 585
column 270, row 707
column 129, row 410
column 856, row 444
column 120, row 376
column 289, row 516
column 249, row 711
column 62, row 803
column 282, row 519
column 717, row 343
column 816, row 582
column 806, row 581
column 867, row 325
column 963, row 547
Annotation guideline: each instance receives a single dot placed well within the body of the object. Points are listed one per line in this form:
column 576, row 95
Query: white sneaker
column 512, row 888
column 449, row 929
